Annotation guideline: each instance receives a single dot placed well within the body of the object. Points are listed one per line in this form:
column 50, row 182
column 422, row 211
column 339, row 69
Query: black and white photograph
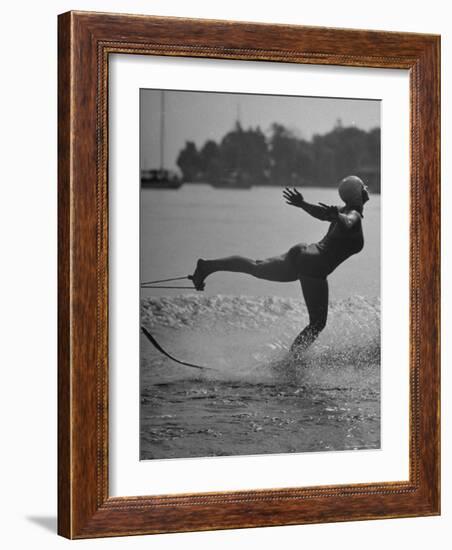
column 260, row 274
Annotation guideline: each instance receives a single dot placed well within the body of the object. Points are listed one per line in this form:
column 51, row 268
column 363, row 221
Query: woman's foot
column 199, row 275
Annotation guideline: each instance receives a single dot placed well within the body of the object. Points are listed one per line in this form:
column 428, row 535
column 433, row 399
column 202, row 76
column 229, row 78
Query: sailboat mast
column 162, row 130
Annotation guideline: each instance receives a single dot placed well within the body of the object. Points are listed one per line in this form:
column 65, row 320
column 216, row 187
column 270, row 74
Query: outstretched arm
column 321, row 212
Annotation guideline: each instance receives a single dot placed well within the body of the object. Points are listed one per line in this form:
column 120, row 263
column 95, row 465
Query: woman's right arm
column 319, row 212
column 295, row 198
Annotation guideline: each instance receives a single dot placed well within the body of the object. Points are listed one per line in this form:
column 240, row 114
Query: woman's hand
column 293, row 197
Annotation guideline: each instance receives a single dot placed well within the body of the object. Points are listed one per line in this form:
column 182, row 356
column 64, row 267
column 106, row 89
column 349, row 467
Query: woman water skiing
column 309, row 263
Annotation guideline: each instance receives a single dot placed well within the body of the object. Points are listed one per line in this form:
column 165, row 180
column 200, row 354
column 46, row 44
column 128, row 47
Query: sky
column 199, row 116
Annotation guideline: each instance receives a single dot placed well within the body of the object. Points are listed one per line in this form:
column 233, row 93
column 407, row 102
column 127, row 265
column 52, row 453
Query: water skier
column 309, row 263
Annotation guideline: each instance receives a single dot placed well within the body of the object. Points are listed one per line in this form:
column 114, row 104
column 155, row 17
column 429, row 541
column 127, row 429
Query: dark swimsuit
column 313, row 263
column 318, row 260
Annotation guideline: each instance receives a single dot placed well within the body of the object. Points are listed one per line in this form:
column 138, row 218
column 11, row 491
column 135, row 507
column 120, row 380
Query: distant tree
column 283, row 155
column 324, row 162
column 374, row 147
column 231, row 149
column 255, row 161
column 284, row 158
column 210, row 161
column 370, row 168
column 189, row 162
column 340, row 152
column 245, row 152
column 304, row 163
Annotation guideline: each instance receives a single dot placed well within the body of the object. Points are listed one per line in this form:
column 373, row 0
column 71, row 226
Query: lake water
column 259, row 398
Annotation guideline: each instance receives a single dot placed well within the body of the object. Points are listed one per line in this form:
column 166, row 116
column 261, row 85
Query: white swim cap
column 351, row 191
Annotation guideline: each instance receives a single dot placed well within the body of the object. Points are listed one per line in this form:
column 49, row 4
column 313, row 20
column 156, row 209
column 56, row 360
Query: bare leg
column 315, row 292
column 278, row 268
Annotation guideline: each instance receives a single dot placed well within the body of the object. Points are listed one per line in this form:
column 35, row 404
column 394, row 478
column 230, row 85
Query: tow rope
column 156, row 284
column 152, row 340
column 161, row 350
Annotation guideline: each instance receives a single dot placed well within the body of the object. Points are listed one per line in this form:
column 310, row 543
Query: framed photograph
column 248, row 275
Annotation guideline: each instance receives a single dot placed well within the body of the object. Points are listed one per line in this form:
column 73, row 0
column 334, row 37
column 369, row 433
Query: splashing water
column 326, row 399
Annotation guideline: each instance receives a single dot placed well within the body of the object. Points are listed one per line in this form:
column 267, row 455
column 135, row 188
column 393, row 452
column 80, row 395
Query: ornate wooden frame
column 85, row 42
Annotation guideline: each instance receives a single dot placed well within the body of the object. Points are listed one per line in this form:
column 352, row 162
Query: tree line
column 282, row 158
